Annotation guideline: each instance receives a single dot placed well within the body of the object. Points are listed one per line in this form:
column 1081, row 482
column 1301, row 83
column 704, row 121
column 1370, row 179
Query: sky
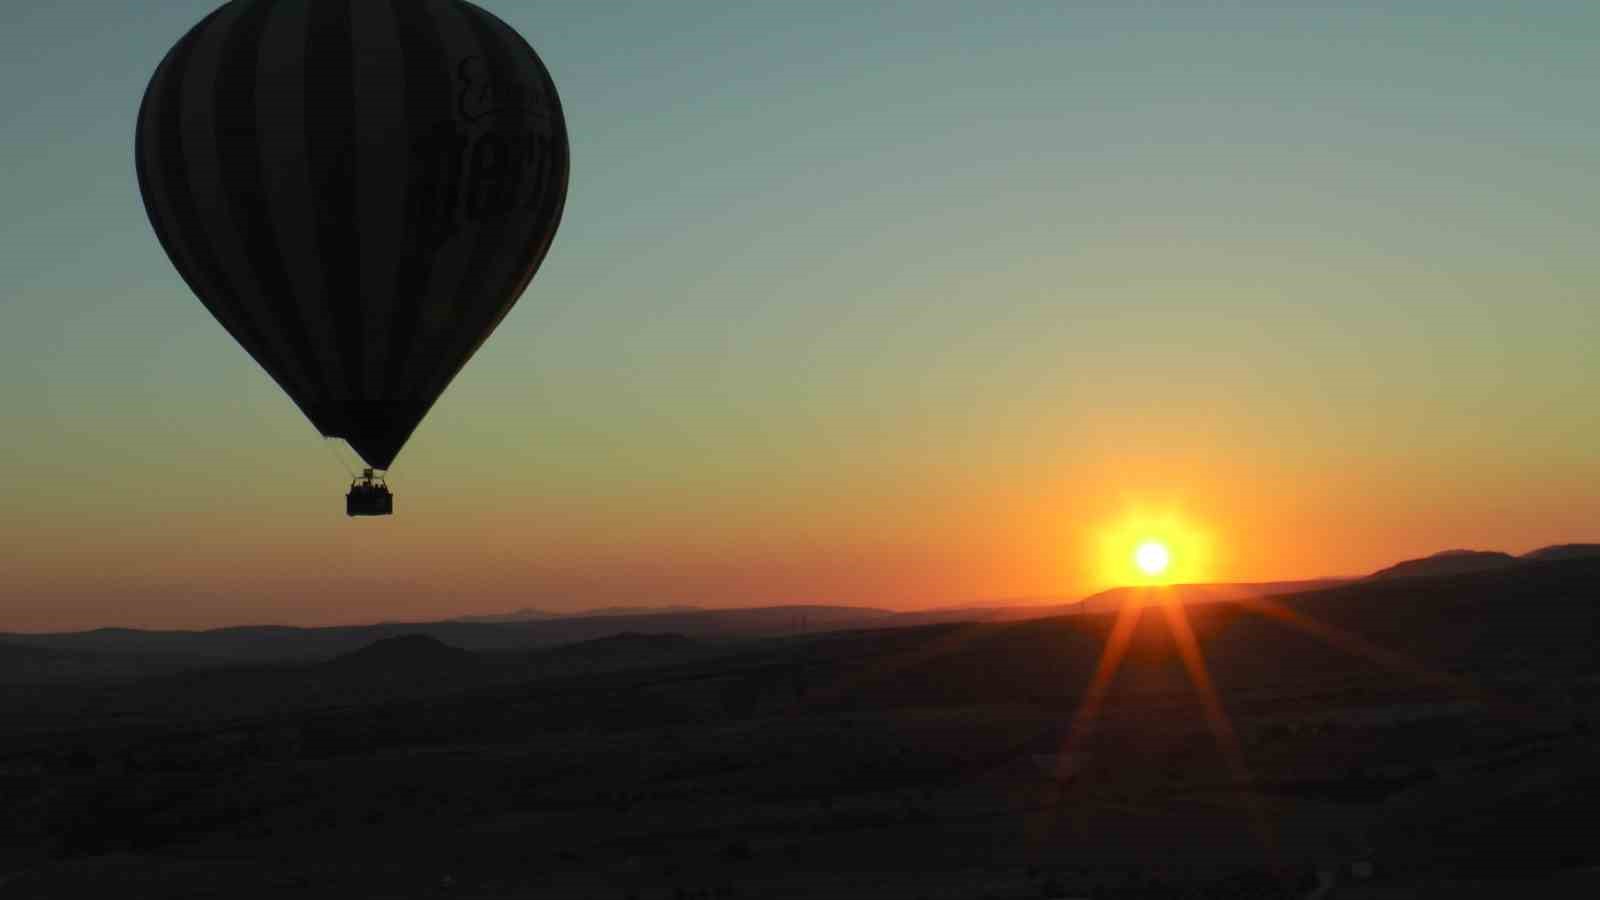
column 892, row 304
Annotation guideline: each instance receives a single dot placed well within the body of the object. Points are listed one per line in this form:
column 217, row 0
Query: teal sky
column 867, row 303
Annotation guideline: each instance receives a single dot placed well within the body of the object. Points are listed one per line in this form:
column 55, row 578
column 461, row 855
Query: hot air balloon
column 358, row 191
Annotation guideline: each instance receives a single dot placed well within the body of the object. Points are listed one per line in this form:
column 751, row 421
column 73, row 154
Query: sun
column 1152, row 558
column 1152, row 547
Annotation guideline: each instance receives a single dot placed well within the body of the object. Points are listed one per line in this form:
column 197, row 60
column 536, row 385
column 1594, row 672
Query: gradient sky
column 893, row 304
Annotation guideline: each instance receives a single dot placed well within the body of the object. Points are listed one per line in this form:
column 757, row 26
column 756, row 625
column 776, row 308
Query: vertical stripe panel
column 330, row 146
column 161, row 170
column 220, row 174
column 383, row 167
column 547, row 196
column 285, row 208
column 430, row 112
column 439, row 312
column 500, row 261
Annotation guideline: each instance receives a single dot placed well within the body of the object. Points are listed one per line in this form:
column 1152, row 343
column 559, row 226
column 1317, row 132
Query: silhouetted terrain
column 417, row 653
column 1438, row 730
column 274, row 643
column 528, row 614
column 1448, row 562
column 1190, row 594
column 390, row 669
column 1565, row 551
column 21, row 663
column 130, row 652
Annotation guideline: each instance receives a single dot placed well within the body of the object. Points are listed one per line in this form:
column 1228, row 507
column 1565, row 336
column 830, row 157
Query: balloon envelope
column 357, row 190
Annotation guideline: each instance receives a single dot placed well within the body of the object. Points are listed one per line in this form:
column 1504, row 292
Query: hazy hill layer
column 287, row 644
column 529, row 614
column 121, row 653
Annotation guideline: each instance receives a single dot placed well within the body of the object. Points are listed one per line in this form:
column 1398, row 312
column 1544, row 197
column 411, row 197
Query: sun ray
column 1217, row 719
column 1392, row 660
column 1069, row 757
column 1088, row 712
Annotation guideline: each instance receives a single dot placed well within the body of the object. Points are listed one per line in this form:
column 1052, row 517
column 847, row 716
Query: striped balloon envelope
column 358, row 191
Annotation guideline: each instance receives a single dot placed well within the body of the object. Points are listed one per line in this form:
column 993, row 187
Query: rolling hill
column 1564, row 551
column 121, row 652
column 410, row 653
column 1191, row 594
column 1447, row 562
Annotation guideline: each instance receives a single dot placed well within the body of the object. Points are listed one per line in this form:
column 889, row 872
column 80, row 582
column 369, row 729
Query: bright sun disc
column 1148, row 547
column 1152, row 558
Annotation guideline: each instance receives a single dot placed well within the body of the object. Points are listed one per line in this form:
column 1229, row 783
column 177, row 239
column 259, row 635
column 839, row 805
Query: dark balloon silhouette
column 358, row 191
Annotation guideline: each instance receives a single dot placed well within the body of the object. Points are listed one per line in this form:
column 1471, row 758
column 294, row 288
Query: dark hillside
column 1423, row 729
column 1565, row 551
column 280, row 644
column 1448, row 562
column 417, row 653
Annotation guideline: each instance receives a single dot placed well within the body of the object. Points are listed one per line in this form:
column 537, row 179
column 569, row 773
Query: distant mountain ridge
column 526, row 614
column 1564, row 551
column 1456, row 562
column 282, row 643
column 628, row 643
column 1190, row 594
column 413, row 653
column 1446, row 562
column 125, row 652
column 529, row 614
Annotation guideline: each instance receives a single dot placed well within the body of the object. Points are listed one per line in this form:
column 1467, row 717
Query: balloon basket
column 369, row 496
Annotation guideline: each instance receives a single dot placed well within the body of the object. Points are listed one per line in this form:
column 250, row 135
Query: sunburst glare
column 1152, row 558
column 1153, row 548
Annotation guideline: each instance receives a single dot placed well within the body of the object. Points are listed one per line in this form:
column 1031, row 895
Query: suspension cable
column 328, row 442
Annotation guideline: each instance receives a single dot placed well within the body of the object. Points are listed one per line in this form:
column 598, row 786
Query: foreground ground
column 1424, row 739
